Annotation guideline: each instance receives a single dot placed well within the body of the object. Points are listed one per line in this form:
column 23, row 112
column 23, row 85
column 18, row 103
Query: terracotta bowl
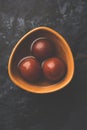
column 22, row 49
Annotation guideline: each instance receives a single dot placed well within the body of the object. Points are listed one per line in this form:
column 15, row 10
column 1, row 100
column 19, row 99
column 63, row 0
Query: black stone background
column 62, row 110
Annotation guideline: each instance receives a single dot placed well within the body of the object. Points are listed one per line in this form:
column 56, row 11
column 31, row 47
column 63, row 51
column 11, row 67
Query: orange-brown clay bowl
column 21, row 50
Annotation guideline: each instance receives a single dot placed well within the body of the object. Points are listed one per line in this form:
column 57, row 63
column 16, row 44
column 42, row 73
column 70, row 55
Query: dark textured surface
column 63, row 110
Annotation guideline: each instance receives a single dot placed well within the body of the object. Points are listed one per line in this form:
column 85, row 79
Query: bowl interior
column 22, row 49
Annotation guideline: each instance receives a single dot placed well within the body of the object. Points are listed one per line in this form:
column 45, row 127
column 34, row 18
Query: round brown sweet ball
column 42, row 49
column 30, row 69
column 54, row 69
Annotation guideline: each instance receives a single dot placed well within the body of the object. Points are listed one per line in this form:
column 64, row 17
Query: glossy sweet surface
column 54, row 69
column 30, row 69
column 42, row 49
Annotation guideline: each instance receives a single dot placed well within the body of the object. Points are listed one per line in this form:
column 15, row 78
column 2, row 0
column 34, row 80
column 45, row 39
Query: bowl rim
column 43, row 90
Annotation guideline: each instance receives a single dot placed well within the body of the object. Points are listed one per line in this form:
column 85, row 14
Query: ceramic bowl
column 22, row 49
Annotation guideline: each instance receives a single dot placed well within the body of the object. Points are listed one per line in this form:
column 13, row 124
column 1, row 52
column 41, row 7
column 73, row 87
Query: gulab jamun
column 42, row 48
column 53, row 69
column 30, row 69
